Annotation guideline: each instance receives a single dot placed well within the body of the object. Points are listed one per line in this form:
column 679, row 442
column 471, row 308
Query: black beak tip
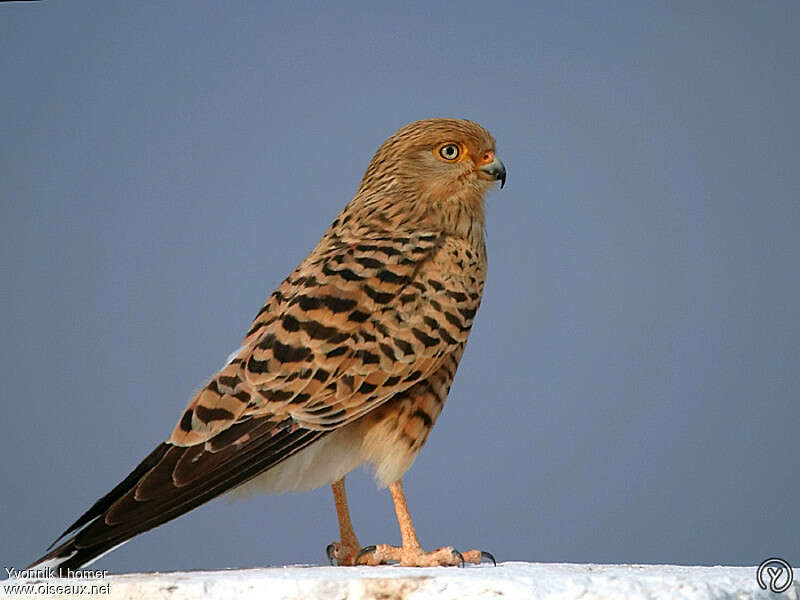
column 497, row 170
column 500, row 173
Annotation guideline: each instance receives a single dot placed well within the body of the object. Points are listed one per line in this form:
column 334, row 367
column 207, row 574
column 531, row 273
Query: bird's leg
column 407, row 532
column 411, row 554
column 345, row 551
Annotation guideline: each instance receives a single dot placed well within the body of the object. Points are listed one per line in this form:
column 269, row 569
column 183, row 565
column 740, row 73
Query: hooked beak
column 496, row 170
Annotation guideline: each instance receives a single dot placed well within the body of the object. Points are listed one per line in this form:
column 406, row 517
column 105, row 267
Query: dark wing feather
column 99, row 507
column 173, row 480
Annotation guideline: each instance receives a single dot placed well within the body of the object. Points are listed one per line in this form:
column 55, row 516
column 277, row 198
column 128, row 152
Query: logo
column 777, row 572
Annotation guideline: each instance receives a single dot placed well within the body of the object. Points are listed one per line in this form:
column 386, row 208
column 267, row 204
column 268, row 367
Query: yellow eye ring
column 450, row 151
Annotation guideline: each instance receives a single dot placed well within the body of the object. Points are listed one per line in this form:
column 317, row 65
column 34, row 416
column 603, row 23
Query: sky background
column 630, row 389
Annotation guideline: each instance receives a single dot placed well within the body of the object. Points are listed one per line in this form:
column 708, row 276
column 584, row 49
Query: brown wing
column 348, row 329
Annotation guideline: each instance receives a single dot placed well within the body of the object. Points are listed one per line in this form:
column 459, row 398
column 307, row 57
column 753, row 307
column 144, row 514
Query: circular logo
column 775, row 574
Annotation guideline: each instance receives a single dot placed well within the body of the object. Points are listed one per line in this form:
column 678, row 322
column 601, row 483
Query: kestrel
column 348, row 362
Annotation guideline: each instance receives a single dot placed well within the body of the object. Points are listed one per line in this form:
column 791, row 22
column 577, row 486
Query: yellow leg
column 344, row 551
column 407, row 532
column 411, row 554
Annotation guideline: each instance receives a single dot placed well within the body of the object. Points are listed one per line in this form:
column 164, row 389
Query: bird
column 348, row 362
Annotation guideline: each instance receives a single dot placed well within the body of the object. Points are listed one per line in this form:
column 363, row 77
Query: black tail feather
column 103, row 504
column 171, row 481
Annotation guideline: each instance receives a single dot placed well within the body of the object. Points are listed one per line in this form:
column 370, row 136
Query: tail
column 73, row 554
column 171, row 481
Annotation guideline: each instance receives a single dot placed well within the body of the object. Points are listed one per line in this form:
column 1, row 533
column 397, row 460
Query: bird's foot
column 342, row 554
column 446, row 556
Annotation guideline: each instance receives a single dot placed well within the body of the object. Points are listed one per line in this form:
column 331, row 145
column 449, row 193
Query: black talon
column 460, row 558
column 363, row 552
column 331, row 557
column 488, row 556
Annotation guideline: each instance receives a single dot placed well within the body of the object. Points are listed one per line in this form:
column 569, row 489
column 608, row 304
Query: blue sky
column 630, row 389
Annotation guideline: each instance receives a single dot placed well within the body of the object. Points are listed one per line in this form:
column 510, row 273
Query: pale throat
column 462, row 215
column 458, row 213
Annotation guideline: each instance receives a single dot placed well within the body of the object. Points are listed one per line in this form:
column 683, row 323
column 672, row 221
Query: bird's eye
column 449, row 151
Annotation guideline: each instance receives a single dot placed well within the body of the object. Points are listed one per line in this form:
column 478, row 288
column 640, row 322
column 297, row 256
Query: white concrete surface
column 508, row 580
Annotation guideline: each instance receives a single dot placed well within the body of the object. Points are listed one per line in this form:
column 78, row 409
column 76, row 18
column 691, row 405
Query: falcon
column 347, row 363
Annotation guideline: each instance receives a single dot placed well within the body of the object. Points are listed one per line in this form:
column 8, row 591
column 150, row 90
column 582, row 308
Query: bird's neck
column 460, row 215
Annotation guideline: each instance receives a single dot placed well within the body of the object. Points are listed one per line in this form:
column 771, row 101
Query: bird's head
column 437, row 168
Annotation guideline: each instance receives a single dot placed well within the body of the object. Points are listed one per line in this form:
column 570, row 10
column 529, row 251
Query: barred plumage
column 349, row 360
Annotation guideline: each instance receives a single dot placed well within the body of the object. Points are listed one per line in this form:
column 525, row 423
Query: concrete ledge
column 510, row 580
